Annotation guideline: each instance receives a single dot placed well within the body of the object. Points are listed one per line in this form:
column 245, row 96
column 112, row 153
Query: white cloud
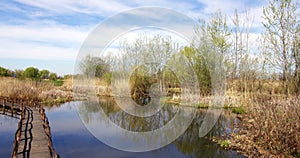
column 102, row 8
column 21, row 50
column 50, row 39
column 35, row 41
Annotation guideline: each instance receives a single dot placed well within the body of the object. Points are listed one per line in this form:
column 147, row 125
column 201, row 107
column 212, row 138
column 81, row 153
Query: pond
column 72, row 138
column 8, row 127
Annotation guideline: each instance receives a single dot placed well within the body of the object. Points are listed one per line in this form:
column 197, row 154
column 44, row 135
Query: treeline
column 266, row 62
column 30, row 73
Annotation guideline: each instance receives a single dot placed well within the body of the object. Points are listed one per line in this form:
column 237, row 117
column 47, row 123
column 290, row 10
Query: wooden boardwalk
column 33, row 139
column 33, row 136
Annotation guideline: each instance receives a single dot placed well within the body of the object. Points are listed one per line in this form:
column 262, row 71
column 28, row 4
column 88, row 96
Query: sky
column 48, row 34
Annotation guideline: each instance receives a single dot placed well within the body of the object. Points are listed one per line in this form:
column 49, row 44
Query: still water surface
column 71, row 139
column 8, row 127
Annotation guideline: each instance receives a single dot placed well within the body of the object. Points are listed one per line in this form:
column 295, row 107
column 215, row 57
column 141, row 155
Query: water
column 8, row 127
column 71, row 138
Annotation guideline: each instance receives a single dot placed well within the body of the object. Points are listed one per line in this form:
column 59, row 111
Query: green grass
column 55, row 101
column 201, row 106
column 57, row 82
column 174, row 90
column 238, row 110
column 225, row 143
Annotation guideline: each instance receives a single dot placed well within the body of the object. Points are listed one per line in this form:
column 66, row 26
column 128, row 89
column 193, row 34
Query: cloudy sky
column 48, row 34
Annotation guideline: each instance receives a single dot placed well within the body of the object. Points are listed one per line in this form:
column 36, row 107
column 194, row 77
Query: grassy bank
column 41, row 91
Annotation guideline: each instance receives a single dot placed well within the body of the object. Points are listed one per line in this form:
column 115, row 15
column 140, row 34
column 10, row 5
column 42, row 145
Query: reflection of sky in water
column 8, row 127
column 72, row 139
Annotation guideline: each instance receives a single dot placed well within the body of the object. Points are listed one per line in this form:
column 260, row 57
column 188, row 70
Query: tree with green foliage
column 200, row 67
column 219, row 32
column 53, row 76
column 212, row 43
column 32, row 73
column 19, row 74
column 4, row 71
column 44, row 74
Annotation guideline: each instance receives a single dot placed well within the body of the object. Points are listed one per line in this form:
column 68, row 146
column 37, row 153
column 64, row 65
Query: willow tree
column 220, row 32
column 280, row 23
column 145, row 62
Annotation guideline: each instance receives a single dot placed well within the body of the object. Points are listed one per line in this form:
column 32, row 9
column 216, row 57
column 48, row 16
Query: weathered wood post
column 3, row 105
column 12, row 108
column 4, row 102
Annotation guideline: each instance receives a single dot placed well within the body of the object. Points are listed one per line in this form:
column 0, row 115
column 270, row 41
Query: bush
column 270, row 128
column 31, row 72
column 4, row 71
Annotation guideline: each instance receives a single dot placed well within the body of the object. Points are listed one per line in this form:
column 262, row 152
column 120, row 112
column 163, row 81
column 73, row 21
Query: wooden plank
column 40, row 140
column 34, row 141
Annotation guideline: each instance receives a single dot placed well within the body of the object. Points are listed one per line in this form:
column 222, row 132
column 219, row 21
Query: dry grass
column 271, row 127
column 265, row 86
column 30, row 90
column 68, row 85
column 22, row 89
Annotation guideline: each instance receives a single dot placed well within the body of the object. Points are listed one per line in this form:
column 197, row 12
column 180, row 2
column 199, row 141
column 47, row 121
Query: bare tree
column 240, row 57
column 296, row 58
column 280, row 24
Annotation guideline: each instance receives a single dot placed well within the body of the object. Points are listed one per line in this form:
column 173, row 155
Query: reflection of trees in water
column 189, row 143
column 130, row 122
column 133, row 123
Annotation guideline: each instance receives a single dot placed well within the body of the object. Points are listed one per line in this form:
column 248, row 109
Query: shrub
column 31, row 72
column 272, row 127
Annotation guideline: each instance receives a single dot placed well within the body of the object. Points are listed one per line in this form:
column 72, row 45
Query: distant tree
column 68, row 76
column 4, row 71
column 19, row 74
column 44, row 74
column 32, row 73
column 93, row 66
column 53, row 76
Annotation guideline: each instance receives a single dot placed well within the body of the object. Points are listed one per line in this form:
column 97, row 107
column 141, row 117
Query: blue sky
column 48, row 33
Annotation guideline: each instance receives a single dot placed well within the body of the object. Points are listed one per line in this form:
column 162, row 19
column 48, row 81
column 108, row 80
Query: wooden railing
column 12, row 105
column 21, row 104
column 18, row 133
column 48, row 132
